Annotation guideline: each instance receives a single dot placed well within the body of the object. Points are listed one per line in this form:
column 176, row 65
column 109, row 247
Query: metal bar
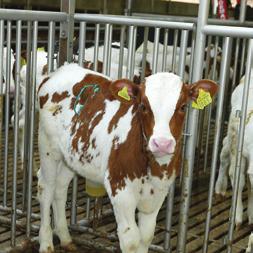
column 96, row 48
column 7, row 112
column 70, row 30
column 243, row 56
column 191, row 128
column 106, row 50
column 1, row 58
column 174, row 56
column 182, row 55
column 128, row 9
column 209, row 109
column 228, row 31
column 32, row 128
column 243, row 6
column 213, row 21
column 223, row 82
column 121, row 50
column 155, row 50
column 240, row 144
column 27, row 112
column 73, row 217
column 1, row 84
column 165, row 47
column 16, row 132
column 168, row 222
column 237, row 47
column 144, row 53
column 123, row 20
column 130, row 51
column 26, row 15
column 50, row 57
column 82, row 36
column 133, row 52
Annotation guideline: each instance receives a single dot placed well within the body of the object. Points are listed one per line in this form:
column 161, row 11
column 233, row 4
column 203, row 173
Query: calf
column 228, row 152
column 116, row 133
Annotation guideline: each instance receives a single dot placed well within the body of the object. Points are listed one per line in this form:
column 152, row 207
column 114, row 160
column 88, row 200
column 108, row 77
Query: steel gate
column 19, row 207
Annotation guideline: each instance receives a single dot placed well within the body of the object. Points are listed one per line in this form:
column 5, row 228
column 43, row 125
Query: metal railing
column 203, row 32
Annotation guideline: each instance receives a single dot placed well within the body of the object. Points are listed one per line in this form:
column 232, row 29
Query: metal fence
column 191, row 41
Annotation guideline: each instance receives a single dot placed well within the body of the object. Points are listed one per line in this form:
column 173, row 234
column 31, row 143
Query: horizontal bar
column 136, row 21
column 10, row 14
column 211, row 21
column 228, row 31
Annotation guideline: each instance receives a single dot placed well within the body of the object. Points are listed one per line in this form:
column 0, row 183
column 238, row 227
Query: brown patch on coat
column 123, row 109
column 56, row 98
column 45, row 70
column 94, row 103
column 44, row 80
column 43, row 100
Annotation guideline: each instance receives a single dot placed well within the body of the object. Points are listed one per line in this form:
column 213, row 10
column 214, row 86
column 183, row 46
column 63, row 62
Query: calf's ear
column 204, row 84
column 125, row 91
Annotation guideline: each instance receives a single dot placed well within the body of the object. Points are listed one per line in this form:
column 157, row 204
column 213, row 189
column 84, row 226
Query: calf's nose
column 163, row 145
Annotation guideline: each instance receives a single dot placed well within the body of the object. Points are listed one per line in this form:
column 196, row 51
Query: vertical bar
column 32, row 128
column 1, row 84
column 1, row 58
column 182, row 55
column 7, row 112
column 227, row 45
column 165, row 47
column 240, row 145
column 209, row 110
column 106, row 50
column 168, row 222
column 130, row 50
column 133, row 52
column 155, row 50
column 237, row 47
column 128, row 9
column 144, row 53
column 50, row 56
column 73, row 217
column 28, row 98
column 67, row 32
column 243, row 56
column 96, row 48
column 121, row 50
column 82, row 34
column 174, row 60
column 191, row 129
column 16, row 131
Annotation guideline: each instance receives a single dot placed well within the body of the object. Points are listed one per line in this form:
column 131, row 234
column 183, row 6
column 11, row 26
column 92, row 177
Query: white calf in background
column 228, row 153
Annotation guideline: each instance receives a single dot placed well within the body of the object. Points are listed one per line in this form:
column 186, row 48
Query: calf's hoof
column 71, row 247
column 48, row 250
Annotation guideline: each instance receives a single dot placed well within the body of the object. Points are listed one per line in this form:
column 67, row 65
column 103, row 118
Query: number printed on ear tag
column 204, row 99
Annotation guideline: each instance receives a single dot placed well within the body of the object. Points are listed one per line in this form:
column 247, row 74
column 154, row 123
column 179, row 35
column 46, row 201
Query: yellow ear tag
column 40, row 49
column 23, row 61
column 124, row 94
column 204, row 99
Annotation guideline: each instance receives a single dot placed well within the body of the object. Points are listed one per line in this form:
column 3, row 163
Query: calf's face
column 162, row 103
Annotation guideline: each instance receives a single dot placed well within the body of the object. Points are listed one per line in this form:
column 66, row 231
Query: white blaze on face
column 163, row 91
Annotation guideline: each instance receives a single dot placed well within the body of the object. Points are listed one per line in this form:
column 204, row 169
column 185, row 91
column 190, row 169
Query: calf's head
column 161, row 102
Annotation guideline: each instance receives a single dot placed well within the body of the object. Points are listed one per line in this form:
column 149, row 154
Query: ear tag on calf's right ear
column 123, row 93
column 204, row 99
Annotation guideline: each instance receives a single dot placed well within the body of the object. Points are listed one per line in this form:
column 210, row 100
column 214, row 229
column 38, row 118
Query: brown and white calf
column 129, row 143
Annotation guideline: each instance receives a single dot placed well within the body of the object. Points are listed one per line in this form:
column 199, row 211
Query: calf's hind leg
column 64, row 176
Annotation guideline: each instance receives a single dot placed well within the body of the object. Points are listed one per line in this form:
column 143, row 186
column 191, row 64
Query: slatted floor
column 197, row 217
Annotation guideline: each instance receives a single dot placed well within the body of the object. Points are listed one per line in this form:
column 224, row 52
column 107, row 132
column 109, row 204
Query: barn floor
column 195, row 234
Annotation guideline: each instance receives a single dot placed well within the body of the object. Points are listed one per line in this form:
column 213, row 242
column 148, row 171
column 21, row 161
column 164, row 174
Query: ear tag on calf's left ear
column 204, row 99
column 23, row 62
column 123, row 93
